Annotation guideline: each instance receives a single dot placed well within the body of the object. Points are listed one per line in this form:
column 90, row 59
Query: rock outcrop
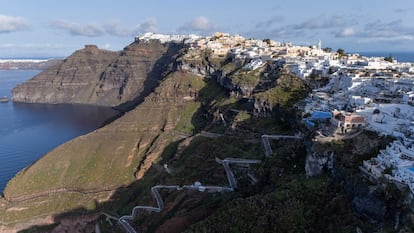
column 90, row 168
column 73, row 81
column 267, row 87
column 173, row 94
column 100, row 77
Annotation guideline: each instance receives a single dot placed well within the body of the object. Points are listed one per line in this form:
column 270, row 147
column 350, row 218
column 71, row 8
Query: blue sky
column 46, row 28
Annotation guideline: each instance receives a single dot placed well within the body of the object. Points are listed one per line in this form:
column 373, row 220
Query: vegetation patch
column 243, row 77
column 288, row 90
column 297, row 205
column 185, row 124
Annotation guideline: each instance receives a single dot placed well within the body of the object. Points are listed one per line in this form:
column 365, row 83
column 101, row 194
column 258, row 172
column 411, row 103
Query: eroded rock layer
column 100, row 77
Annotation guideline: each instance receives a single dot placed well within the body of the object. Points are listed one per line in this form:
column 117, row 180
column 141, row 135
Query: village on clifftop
column 373, row 93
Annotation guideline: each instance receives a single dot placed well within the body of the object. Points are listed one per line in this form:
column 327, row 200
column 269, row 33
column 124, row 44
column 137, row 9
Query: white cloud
column 199, row 24
column 310, row 28
column 270, row 22
column 11, row 24
column 380, row 31
column 150, row 25
column 322, row 22
column 347, row 32
column 107, row 46
column 114, row 28
column 90, row 30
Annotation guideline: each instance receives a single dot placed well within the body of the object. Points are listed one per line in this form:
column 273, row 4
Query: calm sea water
column 399, row 56
column 28, row 131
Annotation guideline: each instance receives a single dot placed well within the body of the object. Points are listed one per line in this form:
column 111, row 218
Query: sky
column 50, row 28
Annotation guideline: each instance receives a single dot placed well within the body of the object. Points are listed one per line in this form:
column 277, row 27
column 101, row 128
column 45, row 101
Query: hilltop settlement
column 326, row 118
column 373, row 93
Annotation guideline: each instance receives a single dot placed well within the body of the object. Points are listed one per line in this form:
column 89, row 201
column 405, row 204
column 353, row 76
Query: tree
column 327, row 49
column 389, row 58
column 341, row 52
column 267, row 41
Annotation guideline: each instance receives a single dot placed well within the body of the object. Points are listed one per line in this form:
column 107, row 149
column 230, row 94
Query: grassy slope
column 287, row 91
column 197, row 163
column 284, row 201
column 107, row 157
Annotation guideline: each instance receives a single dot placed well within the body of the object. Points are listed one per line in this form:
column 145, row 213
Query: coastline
column 400, row 56
column 71, row 121
column 28, row 63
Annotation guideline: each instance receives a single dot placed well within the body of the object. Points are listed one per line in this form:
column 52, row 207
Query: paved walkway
column 123, row 221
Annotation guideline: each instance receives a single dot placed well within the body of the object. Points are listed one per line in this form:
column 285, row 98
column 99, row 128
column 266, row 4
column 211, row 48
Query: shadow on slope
column 188, row 164
column 164, row 65
column 284, row 200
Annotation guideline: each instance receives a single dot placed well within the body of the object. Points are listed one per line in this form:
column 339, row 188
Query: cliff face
column 73, row 81
column 89, row 169
column 95, row 76
column 176, row 94
column 267, row 87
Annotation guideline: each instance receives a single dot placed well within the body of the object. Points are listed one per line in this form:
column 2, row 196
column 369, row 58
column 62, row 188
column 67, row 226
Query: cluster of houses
column 395, row 163
column 362, row 92
column 164, row 38
column 378, row 100
column 368, row 93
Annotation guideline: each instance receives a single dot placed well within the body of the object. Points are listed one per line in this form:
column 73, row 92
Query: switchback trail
column 123, row 221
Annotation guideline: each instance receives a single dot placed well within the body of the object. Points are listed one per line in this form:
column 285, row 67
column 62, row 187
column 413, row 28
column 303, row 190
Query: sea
column 29, row 131
column 399, row 56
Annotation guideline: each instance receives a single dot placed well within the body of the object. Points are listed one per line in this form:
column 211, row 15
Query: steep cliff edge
column 87, row 170
column 72, row 81
column 203, row 107
column 100, row 77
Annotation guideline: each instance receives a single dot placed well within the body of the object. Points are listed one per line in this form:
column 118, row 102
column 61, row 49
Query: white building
column 408, row 98
column 397, row 156
column 164, row 38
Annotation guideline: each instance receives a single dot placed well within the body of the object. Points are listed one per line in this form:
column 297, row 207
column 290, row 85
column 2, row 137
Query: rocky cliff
column 189, row 108
column 93, row 168
column 100, row 77
column 89, row 169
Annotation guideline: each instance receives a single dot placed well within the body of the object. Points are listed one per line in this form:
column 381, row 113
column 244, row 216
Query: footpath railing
column 15, row 199
column 123, row 221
